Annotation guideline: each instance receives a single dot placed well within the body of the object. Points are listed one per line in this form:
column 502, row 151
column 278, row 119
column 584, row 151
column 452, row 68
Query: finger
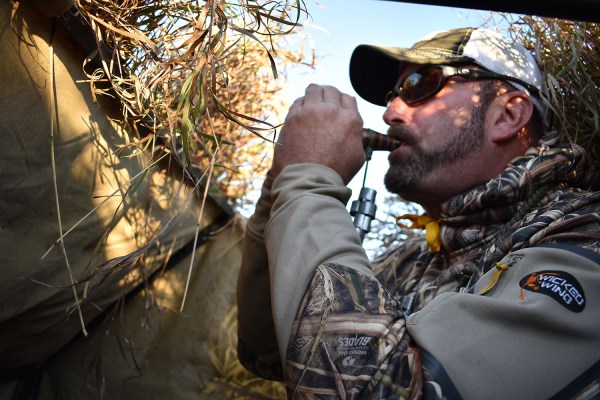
column 349, row 102
column 293, row 110
column 331, row 95
column 297, row 103
column 313, row 93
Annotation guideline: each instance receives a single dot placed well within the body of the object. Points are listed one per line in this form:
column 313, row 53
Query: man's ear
column 508, row 114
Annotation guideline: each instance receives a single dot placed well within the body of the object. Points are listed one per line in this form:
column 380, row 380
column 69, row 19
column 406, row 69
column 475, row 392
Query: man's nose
column 397, row 112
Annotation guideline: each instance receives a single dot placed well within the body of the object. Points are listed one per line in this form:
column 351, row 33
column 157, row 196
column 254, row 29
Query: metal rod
column 378, row 141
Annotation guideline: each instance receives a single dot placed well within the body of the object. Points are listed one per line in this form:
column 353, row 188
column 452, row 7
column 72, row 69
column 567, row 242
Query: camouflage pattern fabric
column 349, row 337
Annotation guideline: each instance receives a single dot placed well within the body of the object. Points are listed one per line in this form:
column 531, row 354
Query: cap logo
column 560, row 285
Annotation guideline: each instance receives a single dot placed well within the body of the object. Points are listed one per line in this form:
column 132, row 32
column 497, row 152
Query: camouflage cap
column 374, row 69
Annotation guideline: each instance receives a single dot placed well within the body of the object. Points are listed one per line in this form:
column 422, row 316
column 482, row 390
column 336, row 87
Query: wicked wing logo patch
column 560, row 285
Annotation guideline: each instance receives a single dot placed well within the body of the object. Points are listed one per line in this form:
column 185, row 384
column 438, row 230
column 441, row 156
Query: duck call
column 378, row 141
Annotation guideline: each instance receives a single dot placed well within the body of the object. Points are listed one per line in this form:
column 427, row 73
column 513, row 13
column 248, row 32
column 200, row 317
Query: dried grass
column 199, row 81
column 233, row 381
column 201, row 76
column 567, row 52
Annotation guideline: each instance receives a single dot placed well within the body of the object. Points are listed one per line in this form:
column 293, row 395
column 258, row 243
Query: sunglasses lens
column 421, row 84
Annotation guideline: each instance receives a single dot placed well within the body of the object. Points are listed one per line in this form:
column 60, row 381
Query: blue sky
column 338, row 26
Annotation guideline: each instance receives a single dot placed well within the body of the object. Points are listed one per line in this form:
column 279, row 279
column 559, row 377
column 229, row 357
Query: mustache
column 399, row 132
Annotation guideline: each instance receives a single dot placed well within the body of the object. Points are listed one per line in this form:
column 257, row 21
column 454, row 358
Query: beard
column 400, row 178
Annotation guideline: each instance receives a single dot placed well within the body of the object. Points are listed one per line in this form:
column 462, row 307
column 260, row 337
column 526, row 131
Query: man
column 500, row 299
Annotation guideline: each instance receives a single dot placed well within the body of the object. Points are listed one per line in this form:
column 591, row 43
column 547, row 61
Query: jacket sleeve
column 309, row 226
column 302, row 217
column 343, row 330
column 257, row 345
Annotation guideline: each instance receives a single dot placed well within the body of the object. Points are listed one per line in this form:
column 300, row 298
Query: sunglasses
column 426, row 82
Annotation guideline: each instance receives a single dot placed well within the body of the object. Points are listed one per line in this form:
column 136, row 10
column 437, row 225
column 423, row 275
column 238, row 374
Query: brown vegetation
column 203, row 76
column 567, row 52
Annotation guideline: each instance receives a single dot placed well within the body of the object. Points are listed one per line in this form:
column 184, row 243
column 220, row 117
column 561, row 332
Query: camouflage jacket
column 535, row 200
column 516, row 276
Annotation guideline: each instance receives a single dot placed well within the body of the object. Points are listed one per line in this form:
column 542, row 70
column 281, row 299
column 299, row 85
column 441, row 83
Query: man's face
column 422, row 162
column 439, row 135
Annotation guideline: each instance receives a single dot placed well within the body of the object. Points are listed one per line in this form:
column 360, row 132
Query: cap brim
column 374, row 70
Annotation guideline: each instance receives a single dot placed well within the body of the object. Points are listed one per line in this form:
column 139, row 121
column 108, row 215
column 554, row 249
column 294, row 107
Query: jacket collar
column 475, row 216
